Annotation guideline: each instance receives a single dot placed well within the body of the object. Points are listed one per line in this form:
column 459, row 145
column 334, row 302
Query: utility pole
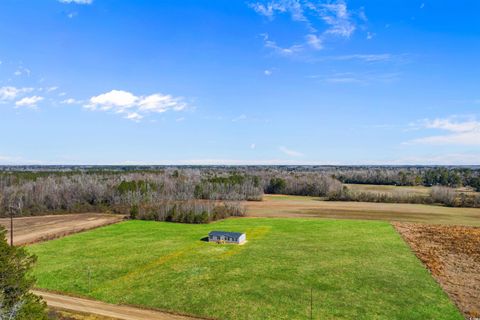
column 16, row 206
column 11, row 228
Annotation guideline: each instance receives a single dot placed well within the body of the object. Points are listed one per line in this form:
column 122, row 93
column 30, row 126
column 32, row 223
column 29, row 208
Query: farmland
column 355, row 269
column 297, row 206
column 451, row 253
column 34, row 229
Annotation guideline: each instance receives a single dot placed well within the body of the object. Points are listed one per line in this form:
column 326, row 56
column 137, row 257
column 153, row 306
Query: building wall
column 241, row 239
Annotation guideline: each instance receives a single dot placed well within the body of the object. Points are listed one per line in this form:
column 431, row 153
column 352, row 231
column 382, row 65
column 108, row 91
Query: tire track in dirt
column 120, row 312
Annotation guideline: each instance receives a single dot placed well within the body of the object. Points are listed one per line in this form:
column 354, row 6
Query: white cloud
column 70, row 101
column 161, row 103
column 267, row 72
column 22, row 71
column 293, row 7
column 458, row 159
column 135, row 107
column 338, row 18
column 29, row 102
column 322, row 20
column 465, row 132
column 365, row 57
column 314, row 41
column 115, row 99
column 284, row 51
column 16, row 160
column 134, row 116
column 267, row 10
column 370, row 35
column 361, row 78
column 344, row 78
column 77, row 1
column 10, row 93
column 289, row 152
column 253, row 146
column 51, row 89
column 450, row 125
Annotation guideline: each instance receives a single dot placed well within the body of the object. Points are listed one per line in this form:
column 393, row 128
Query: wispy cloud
column 240, row 118
column 466, row 132
column 364, row 57
column 16, row 160
column 322, row 20
column 293, row 7
column 77, row 1
column 22, row 71
column 339, row 19
column 11, row 93
column 360, row 78
column 284, row 51
column 29, row 102
column 314, row 41
column 71, row 101
column 135, row 107
column 458, row 159
column 290, row 152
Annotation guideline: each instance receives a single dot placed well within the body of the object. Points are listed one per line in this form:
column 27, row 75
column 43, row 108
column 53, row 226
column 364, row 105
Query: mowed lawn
column 357, row 270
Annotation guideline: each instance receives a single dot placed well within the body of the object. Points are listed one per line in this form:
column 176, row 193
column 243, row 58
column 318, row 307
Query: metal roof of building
column 225, row 233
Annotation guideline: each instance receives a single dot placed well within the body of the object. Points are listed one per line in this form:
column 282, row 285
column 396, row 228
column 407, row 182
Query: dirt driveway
column 104, row 309
column 34, row 229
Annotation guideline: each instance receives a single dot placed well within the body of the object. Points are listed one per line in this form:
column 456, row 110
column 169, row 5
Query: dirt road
column 281, row 206
column 34, row 229
column 105, row 309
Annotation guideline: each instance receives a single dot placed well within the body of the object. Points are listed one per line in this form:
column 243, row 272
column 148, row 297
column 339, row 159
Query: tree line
column 203, row 194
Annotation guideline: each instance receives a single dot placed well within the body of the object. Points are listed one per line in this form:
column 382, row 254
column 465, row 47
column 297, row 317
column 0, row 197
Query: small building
column 227, row 237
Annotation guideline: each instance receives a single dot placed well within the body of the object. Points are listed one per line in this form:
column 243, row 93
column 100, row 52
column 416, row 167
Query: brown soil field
column 452, row 254
column 27, row 230
column 279, row 206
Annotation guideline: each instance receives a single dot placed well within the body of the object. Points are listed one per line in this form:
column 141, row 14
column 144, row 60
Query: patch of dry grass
column 292, row 206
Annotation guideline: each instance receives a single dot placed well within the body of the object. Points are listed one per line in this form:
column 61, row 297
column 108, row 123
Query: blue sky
column 239, row 82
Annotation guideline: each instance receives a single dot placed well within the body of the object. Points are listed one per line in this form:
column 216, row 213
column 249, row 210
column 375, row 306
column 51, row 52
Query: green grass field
column 357, row 269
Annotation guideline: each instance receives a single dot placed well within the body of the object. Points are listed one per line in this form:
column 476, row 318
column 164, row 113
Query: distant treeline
column 202, row 194
column 381, row 175
column 411, row 176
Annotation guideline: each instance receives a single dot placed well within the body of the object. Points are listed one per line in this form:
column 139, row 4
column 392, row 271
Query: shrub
column 193, row 211
column 276, row 186
column 134, row 211
column 16, row 300
column 444, row 195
